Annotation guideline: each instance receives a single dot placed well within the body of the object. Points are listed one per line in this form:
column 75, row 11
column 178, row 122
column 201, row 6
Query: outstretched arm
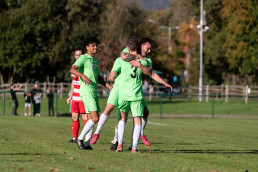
column 74, row 70
column 17, row 88
column 157, row 78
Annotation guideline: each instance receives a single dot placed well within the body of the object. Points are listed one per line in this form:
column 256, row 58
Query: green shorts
column 136, row 107
column 113, row 96
column 91, row 103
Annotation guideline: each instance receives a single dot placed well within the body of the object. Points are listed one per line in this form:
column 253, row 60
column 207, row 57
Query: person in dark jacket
column 50, row 96
column 15, row 104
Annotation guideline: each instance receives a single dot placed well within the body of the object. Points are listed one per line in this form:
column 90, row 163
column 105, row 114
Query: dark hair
column 78, row 49
column 90, row 40
column 132, row 44
column 11, row 84
column 147, row 39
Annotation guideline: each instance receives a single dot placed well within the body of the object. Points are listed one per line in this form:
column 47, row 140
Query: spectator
column 37, row 99
column 33, row 92
column 27, row 97
column 13, row 89
column 145, row 85
column 50, row 96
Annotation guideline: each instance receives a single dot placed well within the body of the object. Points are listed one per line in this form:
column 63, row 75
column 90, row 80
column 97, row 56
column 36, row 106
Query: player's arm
column 71, row 94
column 129, row 57
column 103, row 82
column 74, row 71
column 144, row 69
column 157, row 78
column 112, row 76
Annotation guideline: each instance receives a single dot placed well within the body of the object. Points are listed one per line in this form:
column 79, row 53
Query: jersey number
column 134, row 72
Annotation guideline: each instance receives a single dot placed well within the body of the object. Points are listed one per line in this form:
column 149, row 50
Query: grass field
column 177, row 107
column 41, row 144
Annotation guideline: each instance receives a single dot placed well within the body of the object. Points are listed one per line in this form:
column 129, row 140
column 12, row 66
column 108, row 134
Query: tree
column 241, row 35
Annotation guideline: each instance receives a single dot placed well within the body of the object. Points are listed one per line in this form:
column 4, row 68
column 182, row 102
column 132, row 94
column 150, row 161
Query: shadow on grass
column 204, row 151
column 27, row 154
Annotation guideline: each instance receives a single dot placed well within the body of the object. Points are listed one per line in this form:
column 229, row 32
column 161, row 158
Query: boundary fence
column 210, row 93
column 219, row 91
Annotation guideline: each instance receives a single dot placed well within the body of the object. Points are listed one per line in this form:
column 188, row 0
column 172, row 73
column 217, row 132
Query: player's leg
column 75, row 118
column 144, row 123
column 88, row 136
column 102, row 120
column 111, row 103
column 137, row 113
column 123, row 108
column 91, row 105
column 121, row 130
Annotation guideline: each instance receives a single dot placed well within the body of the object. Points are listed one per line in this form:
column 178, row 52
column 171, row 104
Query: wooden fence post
column 44, row 89
column 26, row 87
column 207, row 93
column 246, row 94
column 61, row 89
column 226, row 93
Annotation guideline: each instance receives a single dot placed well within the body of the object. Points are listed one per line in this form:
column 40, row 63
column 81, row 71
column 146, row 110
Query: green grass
column 175, row 107
column 41, row 144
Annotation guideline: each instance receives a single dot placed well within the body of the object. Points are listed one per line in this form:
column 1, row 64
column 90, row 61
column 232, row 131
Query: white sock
column 86, row 129
column 88, row 137
column 144, row 123
column 116, row 134
column 102, row 120
column 121, row 131
column 131, row 145
column 136, row 136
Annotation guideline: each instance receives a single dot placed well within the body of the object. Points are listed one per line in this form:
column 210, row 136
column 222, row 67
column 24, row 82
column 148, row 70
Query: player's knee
column 75, row 117
column 95, row 119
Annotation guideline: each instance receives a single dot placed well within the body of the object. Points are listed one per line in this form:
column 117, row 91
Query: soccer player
column 77, row 106
column 86, row 67
column 130, row 97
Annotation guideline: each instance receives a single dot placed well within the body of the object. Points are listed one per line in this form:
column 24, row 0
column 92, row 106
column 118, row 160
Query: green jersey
column 117, row 67
column 130, row 84
column 149, row 62
column 89, row 67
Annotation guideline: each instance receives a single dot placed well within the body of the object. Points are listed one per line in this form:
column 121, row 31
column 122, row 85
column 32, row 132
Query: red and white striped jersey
column 76, row 88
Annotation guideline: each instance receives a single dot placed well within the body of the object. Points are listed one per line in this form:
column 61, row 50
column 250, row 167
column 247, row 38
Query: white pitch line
column 153, row 123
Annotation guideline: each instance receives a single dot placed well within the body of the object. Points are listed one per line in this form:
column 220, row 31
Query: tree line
column 38, row 37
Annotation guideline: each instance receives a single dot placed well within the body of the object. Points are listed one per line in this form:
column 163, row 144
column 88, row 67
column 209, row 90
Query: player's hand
column 169, row 86
column 109, row 87
column 86, row 80
column 138, row 56
column 135, row 63
column 68, row 101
